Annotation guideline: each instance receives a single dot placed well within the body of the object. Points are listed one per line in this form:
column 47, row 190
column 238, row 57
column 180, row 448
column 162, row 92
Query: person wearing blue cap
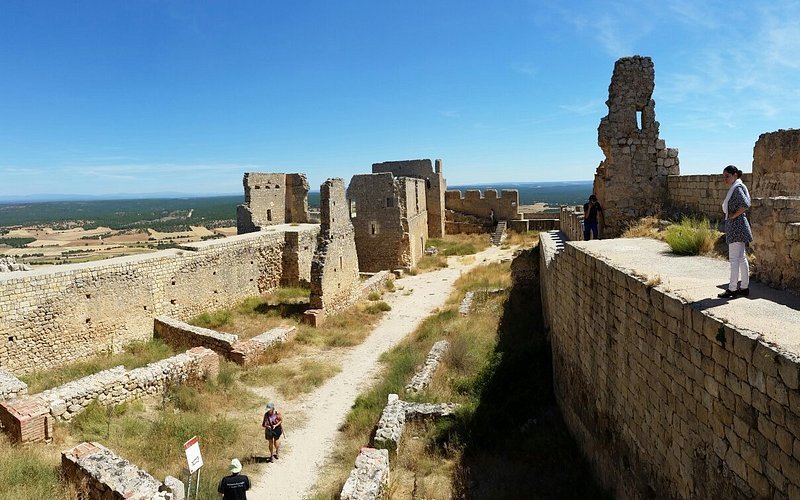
column 273, row 429
column 235, row 486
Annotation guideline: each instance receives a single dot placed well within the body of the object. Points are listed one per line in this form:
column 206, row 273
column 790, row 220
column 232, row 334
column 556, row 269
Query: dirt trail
column 307, row 447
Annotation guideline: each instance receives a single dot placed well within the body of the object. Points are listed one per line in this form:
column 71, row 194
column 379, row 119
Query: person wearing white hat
column 235, row 486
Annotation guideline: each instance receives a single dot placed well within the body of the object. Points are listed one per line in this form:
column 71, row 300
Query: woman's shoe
column 727, row 294
column 744, row 292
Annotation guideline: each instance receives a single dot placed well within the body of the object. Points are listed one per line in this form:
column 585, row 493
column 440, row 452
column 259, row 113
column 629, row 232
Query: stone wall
column 632, row 180
column 570, row 222
column 435, row 187
column 182, row 335
column 335, row 282
column 271, row 199
column 297, row 255
column 776, row 164
column 94, row 471
column 506, row 206
column 700, row 194
column 369, row 479
column 389, row 216
column 666, row 400
column 54, row 315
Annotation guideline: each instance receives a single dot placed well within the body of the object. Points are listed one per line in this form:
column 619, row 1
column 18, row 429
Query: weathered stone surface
column 390, row 220
column 98, row 472
column 369, row 478
column 181, row 335
column 396, row 412
column 9, row 264
column 435, row 186
column 248, row 351
column 473, row 202
column 10, row 386
column 424, row 375
column 270, row 199
column 631, row 181
column 335, row 282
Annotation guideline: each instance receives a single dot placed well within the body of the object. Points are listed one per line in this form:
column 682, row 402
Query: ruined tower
column 270, row 199
column 632, row 181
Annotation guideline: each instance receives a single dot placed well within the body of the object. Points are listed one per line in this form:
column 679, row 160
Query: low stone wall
column 665, row 400
column 29, row 418
column 394, row 416
column 181, row 335
column 700, row 194
column 248, row 352
column 570, row 222
column 96, row 472
column 423, row 376
column 375, row 282
column 10, row 386
column 369, row 478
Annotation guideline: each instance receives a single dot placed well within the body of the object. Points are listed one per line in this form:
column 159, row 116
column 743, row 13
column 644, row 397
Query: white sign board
column 193, row 457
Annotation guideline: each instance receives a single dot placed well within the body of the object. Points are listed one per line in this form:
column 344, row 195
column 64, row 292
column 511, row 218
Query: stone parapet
column 475, row 203
column 369, row 478
column 181, row 335
column 424, row 375
column 776, row 164
column 665, row 399
column 10, row 386
column 96, row 472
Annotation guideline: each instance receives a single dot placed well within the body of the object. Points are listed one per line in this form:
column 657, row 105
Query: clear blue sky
column 147, row 96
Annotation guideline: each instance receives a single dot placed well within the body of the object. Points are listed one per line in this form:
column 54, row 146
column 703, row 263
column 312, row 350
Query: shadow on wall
column 518, row 444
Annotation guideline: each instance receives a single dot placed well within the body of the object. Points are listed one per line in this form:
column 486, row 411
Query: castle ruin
column 271, row 199
column 435, row 186
column 632, row 181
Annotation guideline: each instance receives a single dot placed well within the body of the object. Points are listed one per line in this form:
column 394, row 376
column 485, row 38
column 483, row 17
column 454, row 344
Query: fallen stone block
column 370, row 476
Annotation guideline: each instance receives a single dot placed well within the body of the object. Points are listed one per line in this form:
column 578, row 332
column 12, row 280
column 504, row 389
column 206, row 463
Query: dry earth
column 308, row 442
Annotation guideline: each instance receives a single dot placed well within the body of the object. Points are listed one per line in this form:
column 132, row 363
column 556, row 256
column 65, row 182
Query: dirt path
column 306, row 448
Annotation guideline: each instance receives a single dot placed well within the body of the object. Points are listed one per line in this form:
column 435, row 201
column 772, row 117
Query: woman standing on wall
column 737, row 232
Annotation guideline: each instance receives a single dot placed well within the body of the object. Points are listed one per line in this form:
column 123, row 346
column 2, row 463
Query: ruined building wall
column 700, row 194
column 335, row 283
column 506, row 206
column 55, row 315
column 271, row 199
column 775, row 212
column 632, row 180
column 665, row 400
column 435, row 187
column 390, row 219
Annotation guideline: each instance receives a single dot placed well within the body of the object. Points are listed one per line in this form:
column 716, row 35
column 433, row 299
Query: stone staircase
column 499, row 233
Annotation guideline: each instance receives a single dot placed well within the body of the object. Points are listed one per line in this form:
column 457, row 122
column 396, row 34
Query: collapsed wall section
column 335, row 282
column 55, row 315
column 666, row 400
column 632, row 180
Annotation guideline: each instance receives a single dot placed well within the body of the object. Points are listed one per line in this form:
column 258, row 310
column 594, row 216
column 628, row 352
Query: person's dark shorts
column 273, row 433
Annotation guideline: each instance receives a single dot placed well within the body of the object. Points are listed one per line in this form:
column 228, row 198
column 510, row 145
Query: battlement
column 482, row 204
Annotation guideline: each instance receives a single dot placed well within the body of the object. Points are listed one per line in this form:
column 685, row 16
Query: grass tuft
column 377, row 307
column 691, row 237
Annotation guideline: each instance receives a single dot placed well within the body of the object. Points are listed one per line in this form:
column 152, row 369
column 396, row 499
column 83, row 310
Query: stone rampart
column 55, row 315
column 776, row 240
column 700, row 194
column 570, row 222
column 776, row 164
column 473, row 202
column 666, row 400
column 369, row 479
column 96, row 472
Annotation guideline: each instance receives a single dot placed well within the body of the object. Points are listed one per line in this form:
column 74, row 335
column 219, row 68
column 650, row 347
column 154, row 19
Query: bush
column 690, row 237
column 378, row 307
column 374, row 296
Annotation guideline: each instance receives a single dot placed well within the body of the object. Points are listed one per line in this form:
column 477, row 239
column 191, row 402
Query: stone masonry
column 473, row 202
column 96, row 472
column 51, row 316
column 423, row 376
column 632, row 180
column 335, row 282
column 271, row 199
column 10, row 386
column 435, row 186
column 390, row 219
column 397, row 412
column 775, row 212
column 369, row 479
column 700, row 194
column 666, row 400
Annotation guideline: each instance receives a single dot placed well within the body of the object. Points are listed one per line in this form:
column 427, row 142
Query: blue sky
column 184, row 96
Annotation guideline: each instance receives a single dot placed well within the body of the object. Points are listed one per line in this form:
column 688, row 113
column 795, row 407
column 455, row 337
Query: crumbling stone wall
column 335, row 282
column 775, row 212
column 700, row 194
column 506, row 206
column 632, row 180
column 389, row 216
column 96, row 472
column 435, row 187
column 666, row 400
column 51, row 316
column 369, row 479
column 270, row 199
column 10, row 386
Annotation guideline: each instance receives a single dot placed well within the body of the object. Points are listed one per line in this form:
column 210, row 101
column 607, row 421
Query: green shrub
column 690, row 237
column 378, row 307
column 374, row 296
column 214, row 319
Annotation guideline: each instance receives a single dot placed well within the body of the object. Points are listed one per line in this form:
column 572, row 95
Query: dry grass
column 292, row 378
column 430, row 263
column 646, row 227
column 461, row 244
column 527, row 239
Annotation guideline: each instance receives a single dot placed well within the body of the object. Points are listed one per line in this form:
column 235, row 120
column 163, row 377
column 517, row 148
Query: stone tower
column 632, row 181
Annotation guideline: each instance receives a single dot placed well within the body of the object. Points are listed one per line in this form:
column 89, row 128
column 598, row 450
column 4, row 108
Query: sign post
column 195, row 461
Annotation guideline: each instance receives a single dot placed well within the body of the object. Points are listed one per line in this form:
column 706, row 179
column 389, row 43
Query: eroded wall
column 59, row 314
column 435, row 187
column 632, row 180
column 335, row 282
column 665, row 400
